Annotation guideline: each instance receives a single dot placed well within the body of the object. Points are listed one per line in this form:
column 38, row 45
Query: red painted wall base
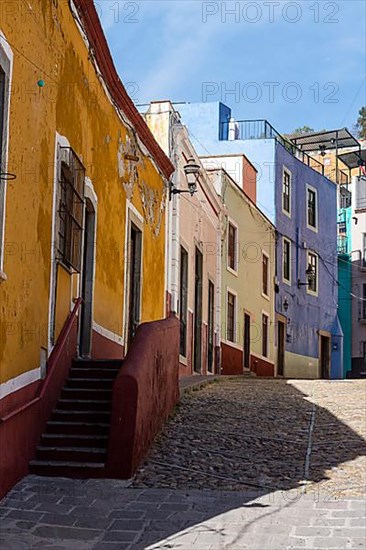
column 144, row 395
column 231, row 360
column 261, row 367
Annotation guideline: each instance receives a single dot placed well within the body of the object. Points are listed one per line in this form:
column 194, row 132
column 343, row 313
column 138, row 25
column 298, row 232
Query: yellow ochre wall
column 73, row 103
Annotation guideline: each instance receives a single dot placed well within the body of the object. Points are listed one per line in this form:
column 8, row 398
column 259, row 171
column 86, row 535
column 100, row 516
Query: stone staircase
column 75, row 442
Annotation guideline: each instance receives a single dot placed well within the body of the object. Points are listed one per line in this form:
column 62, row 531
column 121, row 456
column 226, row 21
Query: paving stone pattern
column 277, row 434
column 312, row 501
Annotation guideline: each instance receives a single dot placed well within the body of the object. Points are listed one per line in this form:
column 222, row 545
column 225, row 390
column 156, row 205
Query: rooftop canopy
column 354, row 159
column 327, row 139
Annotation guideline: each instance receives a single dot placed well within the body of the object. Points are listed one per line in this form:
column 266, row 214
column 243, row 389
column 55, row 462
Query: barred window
column 70, row 209
column 5, row 72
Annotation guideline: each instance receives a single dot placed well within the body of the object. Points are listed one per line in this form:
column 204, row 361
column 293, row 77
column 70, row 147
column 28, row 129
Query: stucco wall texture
column 73, row 103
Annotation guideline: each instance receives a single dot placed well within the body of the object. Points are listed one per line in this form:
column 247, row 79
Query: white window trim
column 7, row 51
column 311, row 292
column 236, row 262
column 286, row 281
column 234, row 293
column 266, row 296
column 285, row 169
column 132, row 216
column 311, row 188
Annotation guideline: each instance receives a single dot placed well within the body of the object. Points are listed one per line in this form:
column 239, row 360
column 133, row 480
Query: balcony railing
column 342, row 244
column 262, row 129
column 360, row 203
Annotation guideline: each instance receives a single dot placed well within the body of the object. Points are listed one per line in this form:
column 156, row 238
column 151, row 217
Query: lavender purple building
column 302, row 203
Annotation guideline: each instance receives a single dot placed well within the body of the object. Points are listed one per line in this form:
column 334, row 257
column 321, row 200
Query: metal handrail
column 52, row 361
column 262, row 129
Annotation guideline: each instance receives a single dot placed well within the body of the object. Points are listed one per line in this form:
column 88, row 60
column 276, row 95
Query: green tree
column 361, row 123
column 303, row 130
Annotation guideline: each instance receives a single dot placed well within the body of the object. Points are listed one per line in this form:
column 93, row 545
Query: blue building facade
column 302, row 203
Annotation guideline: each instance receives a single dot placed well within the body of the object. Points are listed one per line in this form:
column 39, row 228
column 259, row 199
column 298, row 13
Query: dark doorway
column 134, row 300
column 86, row 319
column 183, row 301
column 280, row 348
column 246, row 354
column 210, row 335
column 198, row 312
column 324, row 357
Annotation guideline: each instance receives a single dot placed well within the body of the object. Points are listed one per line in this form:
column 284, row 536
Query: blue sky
column 293, row 63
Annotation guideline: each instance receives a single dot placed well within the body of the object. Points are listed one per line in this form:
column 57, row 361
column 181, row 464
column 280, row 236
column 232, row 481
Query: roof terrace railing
column 262, row 129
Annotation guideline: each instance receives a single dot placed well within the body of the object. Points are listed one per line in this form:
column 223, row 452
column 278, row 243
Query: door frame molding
column 328, row 335
column 89, row 194
column 132, row 216
column 281, row 319
column 60, row 141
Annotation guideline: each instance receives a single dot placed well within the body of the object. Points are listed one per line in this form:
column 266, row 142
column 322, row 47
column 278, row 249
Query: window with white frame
column 312, row 273
column 232, row 247
column 286, row 260
column 5, row 76
column 70, row 208
column 265, row 274
column 286, row 192
column 312, row 207
column 230, row 327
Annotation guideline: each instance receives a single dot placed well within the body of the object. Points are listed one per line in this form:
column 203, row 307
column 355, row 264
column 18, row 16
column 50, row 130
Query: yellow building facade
column 247, row 279
column 83, row 195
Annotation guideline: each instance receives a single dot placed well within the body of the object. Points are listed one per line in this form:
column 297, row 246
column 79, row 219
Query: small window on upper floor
column 232, row 259
column 312, row 273
column 286, row 260
column 265, row 274
column 312, row 208
column 286, row 192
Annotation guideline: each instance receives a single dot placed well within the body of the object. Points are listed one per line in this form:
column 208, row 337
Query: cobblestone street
column 272, row 434
column 243, row 464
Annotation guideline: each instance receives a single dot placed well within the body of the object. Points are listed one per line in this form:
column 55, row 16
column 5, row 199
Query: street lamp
column 192, row 171
column 285, row 304
column 310, row 272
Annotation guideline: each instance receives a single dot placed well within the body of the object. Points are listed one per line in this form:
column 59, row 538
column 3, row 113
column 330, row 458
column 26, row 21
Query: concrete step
column 55, row 468
column 84, row 404
column 81, row 415
column 71, row 454
column 74, row 440
column 96, row 394
column 89, row 383
column 94, row 372
column 77, row 427
column 98, row 363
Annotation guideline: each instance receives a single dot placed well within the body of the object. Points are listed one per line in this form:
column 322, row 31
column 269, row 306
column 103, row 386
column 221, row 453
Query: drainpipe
column 298, row 254
column 173, row 244
column 219, row 240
